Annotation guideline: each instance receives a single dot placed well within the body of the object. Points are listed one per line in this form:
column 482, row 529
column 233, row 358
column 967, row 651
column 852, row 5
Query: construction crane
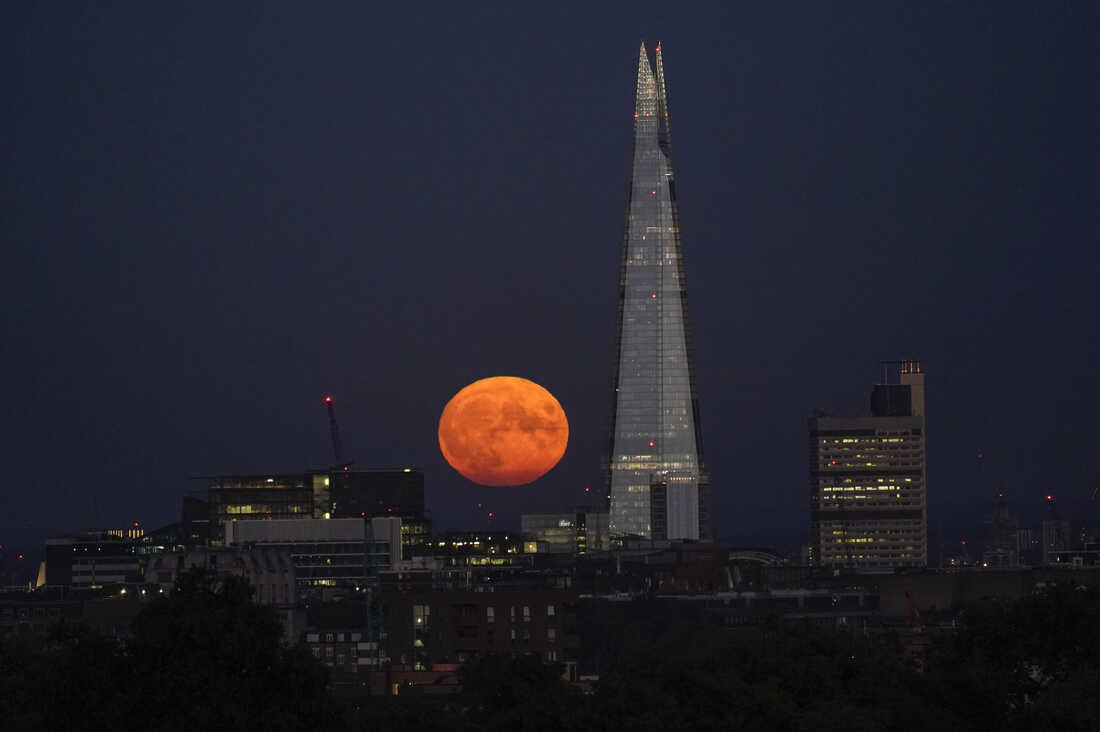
column 334, row 429
column 371, row 610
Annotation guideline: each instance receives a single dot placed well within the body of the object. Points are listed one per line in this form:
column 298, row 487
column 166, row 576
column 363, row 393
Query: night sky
column 212, row 215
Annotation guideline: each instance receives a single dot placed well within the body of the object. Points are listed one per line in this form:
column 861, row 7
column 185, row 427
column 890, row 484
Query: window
column 328, row 652
column 421, row 615
column 316, row 652
column 549, row 611
column 328, row 637
column 527, row 613
column 551, row 635
column 551, row 656
column 490, row 615
column 513, row 633
column 512, row 612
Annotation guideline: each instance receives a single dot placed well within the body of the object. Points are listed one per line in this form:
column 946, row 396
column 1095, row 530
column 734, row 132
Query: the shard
column 656, row 478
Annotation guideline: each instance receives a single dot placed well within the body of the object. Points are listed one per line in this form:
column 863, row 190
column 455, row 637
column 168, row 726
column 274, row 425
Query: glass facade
column 655, row 426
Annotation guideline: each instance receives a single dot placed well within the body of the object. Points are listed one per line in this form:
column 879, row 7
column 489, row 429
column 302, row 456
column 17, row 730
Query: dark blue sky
column 212, row 215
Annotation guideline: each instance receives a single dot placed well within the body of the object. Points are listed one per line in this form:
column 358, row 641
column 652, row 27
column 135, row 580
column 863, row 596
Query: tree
column 1028, row 664
column 206, row 656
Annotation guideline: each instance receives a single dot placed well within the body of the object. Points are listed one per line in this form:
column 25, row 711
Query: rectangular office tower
column 654, row 433
column 868, row 507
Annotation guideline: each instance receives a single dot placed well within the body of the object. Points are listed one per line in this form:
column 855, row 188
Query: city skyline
column 206, row 238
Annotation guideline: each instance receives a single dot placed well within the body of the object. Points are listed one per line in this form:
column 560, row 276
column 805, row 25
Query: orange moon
column 503, row 430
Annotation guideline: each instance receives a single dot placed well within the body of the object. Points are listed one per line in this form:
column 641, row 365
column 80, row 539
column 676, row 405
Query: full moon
column 503, row 430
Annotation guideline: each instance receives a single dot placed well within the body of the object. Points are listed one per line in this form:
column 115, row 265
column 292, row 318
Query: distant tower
column 655, row 437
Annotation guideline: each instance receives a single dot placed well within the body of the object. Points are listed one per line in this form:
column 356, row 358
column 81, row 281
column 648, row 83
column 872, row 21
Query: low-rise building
column 428, row 629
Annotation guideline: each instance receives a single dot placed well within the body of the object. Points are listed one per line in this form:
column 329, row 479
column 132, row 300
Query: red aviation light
column 653, row 192
column 651, row 443
column 328, row 399
column 635, row 115
column 490, row 514
column 1050, row 497
column 654, row 295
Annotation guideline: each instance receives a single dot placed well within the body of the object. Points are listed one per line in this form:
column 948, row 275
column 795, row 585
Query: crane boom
column 337, row 445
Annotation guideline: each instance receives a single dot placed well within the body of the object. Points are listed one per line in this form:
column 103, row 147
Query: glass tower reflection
column 654, row 436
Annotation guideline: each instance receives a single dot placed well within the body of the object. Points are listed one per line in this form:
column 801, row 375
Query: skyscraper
column 655, row 436
column 868, row 501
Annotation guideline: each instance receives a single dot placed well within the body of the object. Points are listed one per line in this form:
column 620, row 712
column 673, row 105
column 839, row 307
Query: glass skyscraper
column 655, row 438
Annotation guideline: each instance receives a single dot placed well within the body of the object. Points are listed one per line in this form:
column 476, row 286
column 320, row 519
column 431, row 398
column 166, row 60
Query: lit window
column 551, row 635
column 549, row 611
column 526, row 614
column 490, row 615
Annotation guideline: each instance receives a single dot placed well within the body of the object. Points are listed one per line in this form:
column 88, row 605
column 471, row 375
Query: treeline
column 206, row 657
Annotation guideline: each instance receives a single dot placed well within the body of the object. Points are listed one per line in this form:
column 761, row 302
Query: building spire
column 664, row 131
column 645, row 95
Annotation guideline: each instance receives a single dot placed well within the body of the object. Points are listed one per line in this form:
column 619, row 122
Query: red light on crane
column 1050, row 497
column 328, row 399
column 490, row 516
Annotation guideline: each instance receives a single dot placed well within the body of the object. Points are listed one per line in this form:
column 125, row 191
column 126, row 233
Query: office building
column 256, row 497
column 95, row 559
column 655, row 413
column 577, row 532
column 346, row 553
column 330, row 494
column 868, row 498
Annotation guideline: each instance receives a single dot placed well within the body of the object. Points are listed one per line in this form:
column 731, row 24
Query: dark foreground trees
column 208, row 658
column 1032, row 664
column 203, row 657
